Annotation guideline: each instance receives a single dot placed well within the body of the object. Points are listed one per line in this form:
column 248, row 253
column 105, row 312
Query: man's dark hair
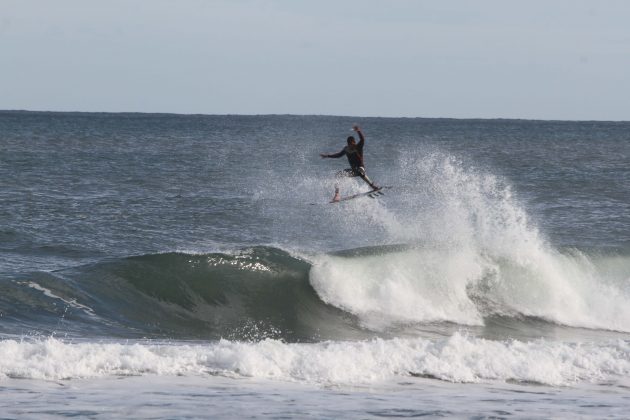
column 351, row 139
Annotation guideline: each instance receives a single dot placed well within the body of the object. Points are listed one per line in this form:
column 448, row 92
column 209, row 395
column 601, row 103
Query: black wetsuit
column 354, row 155
column 355, row 159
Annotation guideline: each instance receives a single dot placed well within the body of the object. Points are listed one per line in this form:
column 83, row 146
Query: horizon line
column 304, row 115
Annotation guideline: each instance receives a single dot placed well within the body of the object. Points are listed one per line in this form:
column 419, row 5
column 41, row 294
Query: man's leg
column 361, row 173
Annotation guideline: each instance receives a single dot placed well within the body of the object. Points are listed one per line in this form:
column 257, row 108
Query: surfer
column 354, row 153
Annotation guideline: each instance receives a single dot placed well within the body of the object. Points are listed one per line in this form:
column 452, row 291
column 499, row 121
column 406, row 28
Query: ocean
column 191, row 266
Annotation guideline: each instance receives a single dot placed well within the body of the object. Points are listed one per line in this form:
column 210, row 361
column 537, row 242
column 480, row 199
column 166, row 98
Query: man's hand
column 356, row 128
column 323, row 155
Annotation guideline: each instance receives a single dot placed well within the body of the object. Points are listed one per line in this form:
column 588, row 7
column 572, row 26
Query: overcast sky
column 551, row 59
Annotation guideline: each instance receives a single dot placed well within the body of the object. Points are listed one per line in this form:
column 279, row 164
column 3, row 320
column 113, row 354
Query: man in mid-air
column 354, row 153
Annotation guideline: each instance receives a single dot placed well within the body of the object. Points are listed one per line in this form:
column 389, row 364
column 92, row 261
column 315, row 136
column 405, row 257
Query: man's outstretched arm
column 333, row 155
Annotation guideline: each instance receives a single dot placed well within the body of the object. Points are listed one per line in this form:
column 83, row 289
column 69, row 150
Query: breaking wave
column 265, row 292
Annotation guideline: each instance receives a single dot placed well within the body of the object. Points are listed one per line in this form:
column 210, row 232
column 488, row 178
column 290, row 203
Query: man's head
column 351, row 141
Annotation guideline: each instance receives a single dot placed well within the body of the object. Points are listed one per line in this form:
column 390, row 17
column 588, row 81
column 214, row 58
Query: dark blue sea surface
column 205, row 247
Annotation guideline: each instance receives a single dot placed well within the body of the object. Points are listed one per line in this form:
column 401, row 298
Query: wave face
column 253, row 294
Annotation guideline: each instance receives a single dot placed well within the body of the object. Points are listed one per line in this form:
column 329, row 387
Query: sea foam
column 459, row 358
column 475, row 252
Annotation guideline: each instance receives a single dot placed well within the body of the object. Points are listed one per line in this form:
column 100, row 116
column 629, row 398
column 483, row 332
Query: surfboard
column 370, row 194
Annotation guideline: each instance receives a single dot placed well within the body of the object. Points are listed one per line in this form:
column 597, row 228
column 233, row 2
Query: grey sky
column 554, row 59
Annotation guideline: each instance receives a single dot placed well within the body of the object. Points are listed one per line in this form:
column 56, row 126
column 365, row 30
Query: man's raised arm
column 361, row 137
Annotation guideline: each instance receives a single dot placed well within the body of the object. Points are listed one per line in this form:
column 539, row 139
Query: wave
column 265, row 292
column 475, row 254
column 459, row 358
column 248, row 295
column 422, row 284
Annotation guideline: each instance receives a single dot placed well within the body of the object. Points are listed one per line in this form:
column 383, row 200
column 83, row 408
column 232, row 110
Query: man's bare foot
column 337, row 196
